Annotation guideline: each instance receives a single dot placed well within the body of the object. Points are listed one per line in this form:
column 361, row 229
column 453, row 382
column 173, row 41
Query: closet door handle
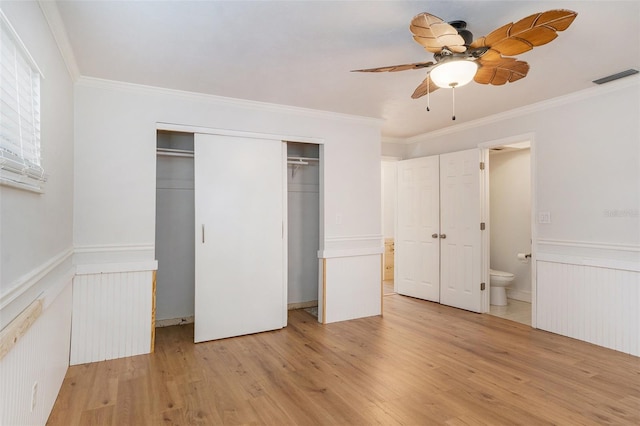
column 434, row 235
column 203, row 233
column 443, row 236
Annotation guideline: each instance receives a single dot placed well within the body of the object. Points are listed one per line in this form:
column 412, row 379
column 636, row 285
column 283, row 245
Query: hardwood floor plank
column 102, row 416
column 422, row 363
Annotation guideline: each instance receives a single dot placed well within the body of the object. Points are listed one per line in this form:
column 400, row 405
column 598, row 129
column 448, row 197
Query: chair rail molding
column 352, row 245
column 586, row 253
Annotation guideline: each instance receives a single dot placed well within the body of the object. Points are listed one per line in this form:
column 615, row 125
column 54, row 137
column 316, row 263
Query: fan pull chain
column 453, row 103
column 428, row 100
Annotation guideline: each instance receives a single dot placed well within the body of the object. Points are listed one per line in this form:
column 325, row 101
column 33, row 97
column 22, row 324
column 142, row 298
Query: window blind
column 20, row 159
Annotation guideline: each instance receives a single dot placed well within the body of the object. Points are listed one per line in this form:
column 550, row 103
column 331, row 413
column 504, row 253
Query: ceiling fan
column 486, row 60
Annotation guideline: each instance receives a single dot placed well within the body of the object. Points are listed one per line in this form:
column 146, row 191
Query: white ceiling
column 299, row 53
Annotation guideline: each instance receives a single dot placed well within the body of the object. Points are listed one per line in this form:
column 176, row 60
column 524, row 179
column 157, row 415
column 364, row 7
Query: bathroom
column 510, row 227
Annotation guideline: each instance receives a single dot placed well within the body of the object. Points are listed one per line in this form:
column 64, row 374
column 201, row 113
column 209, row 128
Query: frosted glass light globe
column 453, row 73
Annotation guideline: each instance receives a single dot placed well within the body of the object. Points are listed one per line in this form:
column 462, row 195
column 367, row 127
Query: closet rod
column 166, row 152
column 298, row 159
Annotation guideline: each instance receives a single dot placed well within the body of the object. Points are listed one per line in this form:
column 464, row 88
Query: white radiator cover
column 112, row 315
column 594, row 299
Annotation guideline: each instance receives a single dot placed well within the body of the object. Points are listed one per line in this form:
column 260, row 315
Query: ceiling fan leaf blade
column 427, row 86
column 497, row 35
column 491, row 56
column 433, row 34
column 534, row 30
column 430, row 44
column 484, row 75
column 479, row 42
column 497, row 73
column 524, row 24
column 425, row 19
column 395, row 68
column 512, row 46
column 558, row 19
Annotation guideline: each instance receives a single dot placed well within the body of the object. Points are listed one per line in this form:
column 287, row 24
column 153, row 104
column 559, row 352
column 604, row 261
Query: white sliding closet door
column 461, row 244
column 417, row 247
column 240, row 208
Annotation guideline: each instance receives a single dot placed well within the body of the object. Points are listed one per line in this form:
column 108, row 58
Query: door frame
column 391, row 160
column 484, row 203
column 184, row 128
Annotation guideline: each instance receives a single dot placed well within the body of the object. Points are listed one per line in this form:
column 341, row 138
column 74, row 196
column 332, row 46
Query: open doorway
column 510, row 231
column 389, row 185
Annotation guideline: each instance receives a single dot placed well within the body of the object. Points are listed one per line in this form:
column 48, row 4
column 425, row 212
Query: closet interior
column 303, row 205
column 175, row 225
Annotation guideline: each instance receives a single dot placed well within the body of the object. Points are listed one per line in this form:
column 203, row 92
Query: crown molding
column 390, row 140
column 529, row 109
column 53, row 18
column 100, row 83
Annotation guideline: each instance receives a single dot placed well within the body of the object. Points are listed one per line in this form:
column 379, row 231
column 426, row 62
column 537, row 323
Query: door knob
column 443, row 236
column 434, row 235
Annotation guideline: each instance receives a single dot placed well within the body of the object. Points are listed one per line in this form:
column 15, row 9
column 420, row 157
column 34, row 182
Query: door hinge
column 482, row 226
column 482, row 286
column 482, row 165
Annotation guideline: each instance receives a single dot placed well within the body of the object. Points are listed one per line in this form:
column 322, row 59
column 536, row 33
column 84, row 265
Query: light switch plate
column 544, row 217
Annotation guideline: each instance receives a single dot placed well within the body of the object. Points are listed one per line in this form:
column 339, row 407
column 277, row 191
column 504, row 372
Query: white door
column 239, row 199
column 417, row 261
column 461, row 245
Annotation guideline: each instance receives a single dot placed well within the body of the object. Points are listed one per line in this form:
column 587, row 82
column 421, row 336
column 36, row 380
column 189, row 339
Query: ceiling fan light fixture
column 453, row 73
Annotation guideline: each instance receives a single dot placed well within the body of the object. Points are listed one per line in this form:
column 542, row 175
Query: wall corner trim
column 59, row 32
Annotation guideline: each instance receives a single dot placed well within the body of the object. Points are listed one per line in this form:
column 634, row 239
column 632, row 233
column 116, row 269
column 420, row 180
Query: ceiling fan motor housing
column 461, row 27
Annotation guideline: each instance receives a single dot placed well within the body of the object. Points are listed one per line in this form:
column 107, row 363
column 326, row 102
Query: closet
column 438, row 234
column 175, row 244
column 303, row 183
column 237, row 232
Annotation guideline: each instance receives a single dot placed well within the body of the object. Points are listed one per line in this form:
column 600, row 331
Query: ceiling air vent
column 616, row 76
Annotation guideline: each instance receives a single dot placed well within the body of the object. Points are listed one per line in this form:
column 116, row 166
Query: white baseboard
column 524, row 296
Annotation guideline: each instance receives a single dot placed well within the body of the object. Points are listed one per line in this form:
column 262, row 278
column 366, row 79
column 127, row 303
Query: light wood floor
column 420, row 364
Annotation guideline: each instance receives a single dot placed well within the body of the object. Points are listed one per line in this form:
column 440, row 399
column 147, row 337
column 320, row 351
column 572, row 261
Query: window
column 20, row 161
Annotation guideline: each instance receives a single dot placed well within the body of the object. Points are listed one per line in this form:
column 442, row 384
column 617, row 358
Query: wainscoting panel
column 33, row 370
column 597, row 304
column 353, row 287
column 112, row 315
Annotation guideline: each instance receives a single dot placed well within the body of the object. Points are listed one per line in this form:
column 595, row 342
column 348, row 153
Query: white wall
column 510, row 221
column 587, row 159
column 115, row 168
column 36, row 242
column 587, row 171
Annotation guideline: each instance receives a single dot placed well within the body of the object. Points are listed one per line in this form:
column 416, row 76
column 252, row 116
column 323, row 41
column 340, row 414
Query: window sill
column 25, row 186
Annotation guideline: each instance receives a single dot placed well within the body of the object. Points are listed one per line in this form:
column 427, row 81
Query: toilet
column 499, row 281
